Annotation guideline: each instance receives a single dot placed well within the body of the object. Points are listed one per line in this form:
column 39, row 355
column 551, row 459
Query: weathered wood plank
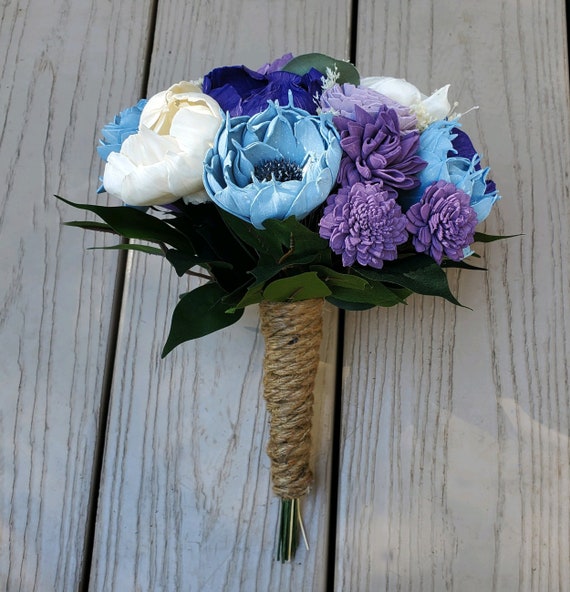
column 455, row 455
column 63, row 68
column 185, row 500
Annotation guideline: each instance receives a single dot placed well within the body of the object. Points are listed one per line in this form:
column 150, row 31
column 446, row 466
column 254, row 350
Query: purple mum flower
column 241, row 91
column 442, row 222
column 364, row 224
column 341, row 99
column 376, row 151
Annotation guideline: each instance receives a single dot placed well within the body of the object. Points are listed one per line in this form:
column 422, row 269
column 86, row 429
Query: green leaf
column 199, row 312
column 481, row 237
column 262, row 241
column 302, row 64
column 298, row 287
column 132, row 247
column 341, row 280
column 345, row 305
column 183, row 261
column 89, row 225
column 461, row 265
column 299, row 243
column 254, row 295
column 282, row 242
column 377, row 294
column 419, row 273
column 132, row 223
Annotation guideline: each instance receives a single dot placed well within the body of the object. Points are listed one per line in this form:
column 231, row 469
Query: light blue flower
column 117, row 131
column 443, row 164
column 279, row 163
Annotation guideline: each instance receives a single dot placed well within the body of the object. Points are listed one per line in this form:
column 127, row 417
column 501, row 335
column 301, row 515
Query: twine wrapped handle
column 293, row 333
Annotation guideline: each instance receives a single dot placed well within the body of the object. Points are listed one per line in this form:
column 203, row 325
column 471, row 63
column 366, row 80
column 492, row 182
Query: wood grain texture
column 185, row 501
column 63, row 68
column 455, row 468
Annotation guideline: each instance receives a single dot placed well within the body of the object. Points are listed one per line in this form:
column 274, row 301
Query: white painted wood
column 455, row 468
column 185, row 500
column 64, row 67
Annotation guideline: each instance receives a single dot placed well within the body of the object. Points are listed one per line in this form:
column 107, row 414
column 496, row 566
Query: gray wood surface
column 455, row 428
column 64, row 67
column 455, row 442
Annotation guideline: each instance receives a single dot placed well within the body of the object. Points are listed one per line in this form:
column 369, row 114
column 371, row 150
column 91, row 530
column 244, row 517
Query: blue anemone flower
column 279, row 163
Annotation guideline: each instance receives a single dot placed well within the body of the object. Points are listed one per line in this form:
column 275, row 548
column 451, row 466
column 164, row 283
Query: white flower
column 427, row 109
column 163, row 162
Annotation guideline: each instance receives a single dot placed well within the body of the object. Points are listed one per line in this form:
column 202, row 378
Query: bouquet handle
column 293, row 334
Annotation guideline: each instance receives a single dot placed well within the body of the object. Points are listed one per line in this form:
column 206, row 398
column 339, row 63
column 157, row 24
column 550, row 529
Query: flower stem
column 290, row 525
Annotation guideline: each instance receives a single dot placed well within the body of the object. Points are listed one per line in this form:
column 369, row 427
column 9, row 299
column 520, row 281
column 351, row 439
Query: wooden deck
column 442, row 456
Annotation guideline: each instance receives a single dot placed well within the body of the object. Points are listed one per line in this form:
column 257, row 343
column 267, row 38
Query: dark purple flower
column 275, row 64
column 364, row 224
column 341, row 99
column 464, row 148
column 442, row 222
column 376, row 152
column 241, row 91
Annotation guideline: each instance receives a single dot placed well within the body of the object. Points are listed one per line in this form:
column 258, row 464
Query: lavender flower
column 442, row 222
column 376, row 151
column 341, row 99
column 364, row 224
column 275, row 65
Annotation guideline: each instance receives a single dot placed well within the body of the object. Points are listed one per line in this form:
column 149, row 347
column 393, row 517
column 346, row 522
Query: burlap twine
column 293, row 333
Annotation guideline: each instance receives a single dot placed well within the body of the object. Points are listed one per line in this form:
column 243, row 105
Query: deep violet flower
column 464, row 148
column 341, row 99
column 241, row 91
column 442, row 223
column 376, row 152
column 364, row 224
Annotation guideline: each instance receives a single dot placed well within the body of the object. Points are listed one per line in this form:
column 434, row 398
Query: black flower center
column 280, row 168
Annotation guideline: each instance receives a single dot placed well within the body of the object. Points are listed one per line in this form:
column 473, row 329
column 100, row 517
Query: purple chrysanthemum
column 442, row 222
column 341, row 99
column 376, row 152
column 364, row 224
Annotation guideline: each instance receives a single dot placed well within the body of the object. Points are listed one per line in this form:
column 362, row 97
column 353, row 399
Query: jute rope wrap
column 293, row 333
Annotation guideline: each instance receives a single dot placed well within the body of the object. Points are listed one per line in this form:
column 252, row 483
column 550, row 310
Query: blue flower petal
column 259, row 152
column 273, row 200
column 311, row 192
column 484, row 205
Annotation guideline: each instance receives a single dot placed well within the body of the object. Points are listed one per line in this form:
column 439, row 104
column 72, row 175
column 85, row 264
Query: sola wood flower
column 442, row 222
column 376, row 152
column 162, row 162
column 364, row 224
column 342, row 99
column 279, row 163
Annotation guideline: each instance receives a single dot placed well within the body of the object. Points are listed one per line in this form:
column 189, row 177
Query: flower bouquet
column 290, row 185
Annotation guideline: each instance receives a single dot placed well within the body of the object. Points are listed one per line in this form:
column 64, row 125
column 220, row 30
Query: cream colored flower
column 427, row 109
column 163, row 162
